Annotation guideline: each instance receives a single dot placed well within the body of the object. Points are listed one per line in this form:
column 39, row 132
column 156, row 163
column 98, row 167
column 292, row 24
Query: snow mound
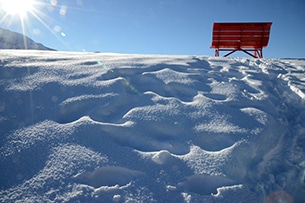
column 98, row 127
column 108, row 176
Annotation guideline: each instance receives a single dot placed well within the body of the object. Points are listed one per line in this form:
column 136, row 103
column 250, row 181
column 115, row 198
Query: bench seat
column 246, row 37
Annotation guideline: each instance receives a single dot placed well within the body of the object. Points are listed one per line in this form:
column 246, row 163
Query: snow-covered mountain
column 93, row 127
column 14, row 40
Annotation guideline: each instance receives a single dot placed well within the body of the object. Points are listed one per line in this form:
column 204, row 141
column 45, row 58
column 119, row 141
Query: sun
column 17, row 7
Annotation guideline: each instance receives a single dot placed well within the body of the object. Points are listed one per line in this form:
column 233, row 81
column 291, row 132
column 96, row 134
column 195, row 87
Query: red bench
column 246, row 37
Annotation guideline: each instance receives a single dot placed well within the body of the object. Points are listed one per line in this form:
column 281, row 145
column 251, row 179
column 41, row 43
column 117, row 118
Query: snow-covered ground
column 92, row 127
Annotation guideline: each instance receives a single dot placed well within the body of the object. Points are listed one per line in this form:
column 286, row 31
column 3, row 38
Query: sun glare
column 17, row 7
column 26, row 12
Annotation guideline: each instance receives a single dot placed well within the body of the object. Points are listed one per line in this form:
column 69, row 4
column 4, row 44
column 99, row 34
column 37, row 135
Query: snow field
column 91, row 127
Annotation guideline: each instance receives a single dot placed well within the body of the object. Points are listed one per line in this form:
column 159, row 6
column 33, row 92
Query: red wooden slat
column 240, row 38
column 241, row 26
column 242, row 32
column 234, row 45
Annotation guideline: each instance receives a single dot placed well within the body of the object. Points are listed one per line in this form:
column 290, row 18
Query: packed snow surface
column 96, row 127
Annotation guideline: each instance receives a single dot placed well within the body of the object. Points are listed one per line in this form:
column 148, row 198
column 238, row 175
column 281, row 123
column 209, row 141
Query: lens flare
column 63, row 10
column 27, row 12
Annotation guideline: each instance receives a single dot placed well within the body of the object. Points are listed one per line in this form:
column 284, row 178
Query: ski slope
column 104, row 127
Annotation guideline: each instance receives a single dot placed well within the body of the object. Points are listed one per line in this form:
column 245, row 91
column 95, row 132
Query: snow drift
column 92, row 127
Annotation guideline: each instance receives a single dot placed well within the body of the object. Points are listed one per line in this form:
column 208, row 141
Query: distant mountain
column 14, row 40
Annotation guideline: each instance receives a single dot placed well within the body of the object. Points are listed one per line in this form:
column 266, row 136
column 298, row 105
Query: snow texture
column 98, row 127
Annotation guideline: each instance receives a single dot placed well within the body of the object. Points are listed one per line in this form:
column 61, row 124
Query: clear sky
column 156, row 26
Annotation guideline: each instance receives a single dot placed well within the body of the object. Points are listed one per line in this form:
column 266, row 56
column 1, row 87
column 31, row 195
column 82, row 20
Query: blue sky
column 158, row 26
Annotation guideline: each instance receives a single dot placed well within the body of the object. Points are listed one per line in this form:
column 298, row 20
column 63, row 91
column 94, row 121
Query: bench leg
column 250, row 54
column 258, row 53
column 216, row 52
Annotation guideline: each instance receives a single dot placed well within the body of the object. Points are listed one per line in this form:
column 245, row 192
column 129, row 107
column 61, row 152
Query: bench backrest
column 240, row 35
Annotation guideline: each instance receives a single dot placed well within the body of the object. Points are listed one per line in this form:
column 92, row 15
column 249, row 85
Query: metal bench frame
column 246, row 37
